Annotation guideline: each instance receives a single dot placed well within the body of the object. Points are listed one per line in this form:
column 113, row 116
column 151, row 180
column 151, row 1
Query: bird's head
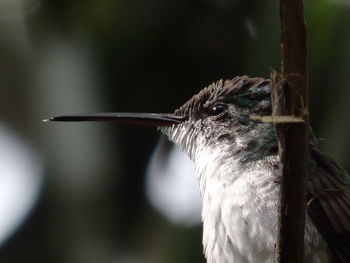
column 217, row 118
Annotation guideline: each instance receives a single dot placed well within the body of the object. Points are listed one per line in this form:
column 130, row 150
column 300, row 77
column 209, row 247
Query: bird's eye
column 217, row 109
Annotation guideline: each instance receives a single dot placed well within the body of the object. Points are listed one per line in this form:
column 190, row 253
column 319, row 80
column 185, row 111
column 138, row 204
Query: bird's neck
column 218, row 170
column 221, row 163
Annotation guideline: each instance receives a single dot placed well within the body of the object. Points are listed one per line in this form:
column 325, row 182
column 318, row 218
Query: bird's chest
column 239, row 216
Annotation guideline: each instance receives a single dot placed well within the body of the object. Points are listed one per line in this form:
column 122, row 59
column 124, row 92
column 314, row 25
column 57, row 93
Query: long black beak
column 150, row 119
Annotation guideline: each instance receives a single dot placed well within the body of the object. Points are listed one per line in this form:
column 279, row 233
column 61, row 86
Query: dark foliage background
column 60, row 56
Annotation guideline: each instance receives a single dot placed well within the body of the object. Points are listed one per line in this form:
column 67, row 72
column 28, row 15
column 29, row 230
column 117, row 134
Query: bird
column 238, row 171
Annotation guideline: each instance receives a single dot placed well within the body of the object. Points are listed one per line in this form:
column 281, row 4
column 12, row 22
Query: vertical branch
column 290, row 97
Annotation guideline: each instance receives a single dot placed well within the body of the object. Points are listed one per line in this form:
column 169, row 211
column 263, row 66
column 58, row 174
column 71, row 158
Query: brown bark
column 290, row 98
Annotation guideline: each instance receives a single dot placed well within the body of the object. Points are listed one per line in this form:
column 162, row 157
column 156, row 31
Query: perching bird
column 237, row 167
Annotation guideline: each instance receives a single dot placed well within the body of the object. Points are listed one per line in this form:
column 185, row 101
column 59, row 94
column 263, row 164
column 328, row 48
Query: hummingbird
column 238, row 170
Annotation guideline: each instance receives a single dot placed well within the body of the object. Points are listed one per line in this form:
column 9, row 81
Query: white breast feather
column 240, row 211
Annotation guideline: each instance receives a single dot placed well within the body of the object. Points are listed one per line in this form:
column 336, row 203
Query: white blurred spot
column 20, row 182
column 171, row 184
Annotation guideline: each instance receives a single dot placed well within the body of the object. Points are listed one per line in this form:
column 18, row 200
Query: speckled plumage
column 237, row 169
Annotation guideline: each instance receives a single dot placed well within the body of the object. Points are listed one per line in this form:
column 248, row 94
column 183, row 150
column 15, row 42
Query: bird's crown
column 252, row 94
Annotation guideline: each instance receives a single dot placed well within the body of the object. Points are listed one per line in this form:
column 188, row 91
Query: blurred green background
column 60, row 56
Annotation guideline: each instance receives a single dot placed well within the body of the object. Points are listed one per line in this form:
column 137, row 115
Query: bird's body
column 237, row 168
column 240, row 212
